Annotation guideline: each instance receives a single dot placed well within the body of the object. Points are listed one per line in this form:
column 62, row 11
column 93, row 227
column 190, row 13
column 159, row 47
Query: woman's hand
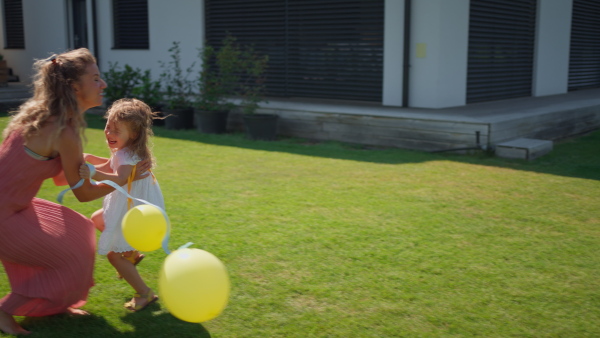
column 142, row 169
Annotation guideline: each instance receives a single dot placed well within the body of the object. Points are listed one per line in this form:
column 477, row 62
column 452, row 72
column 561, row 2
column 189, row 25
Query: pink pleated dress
column 47, row 250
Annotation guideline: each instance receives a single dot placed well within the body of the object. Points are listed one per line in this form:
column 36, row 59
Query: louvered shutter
column 584, row 61
column 317, row 48
column 130, row 18
column 13, row 24
column 501, row 47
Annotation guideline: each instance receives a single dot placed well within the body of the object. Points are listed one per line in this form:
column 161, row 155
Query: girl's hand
column 141, row 169
column 84, row 172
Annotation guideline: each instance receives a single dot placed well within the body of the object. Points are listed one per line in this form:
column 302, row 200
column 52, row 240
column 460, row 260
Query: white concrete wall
column 91, row 34
column 552, row 43
column 393, row 57
column 438, row 57
column 47, row 31
column 45, row 27
column 175, row 20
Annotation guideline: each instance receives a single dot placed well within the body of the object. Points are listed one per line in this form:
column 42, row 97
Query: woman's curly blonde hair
column 53, row 95
column 138, row 118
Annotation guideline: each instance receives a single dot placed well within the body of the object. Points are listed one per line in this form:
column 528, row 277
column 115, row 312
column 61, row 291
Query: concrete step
column 524, row 148
column 15, row 91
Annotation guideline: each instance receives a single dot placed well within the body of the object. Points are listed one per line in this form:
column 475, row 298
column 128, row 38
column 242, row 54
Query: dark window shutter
column 501, row 47
column 584, row 60
column 317, row 48
column 13, row 24
column 130, row 19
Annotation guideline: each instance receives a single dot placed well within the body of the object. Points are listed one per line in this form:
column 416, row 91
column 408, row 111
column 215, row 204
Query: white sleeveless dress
column 115, row 204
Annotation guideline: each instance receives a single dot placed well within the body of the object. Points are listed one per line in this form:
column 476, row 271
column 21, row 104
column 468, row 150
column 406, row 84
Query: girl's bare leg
column 129, row 272
column 9, row 325
column 98, row 219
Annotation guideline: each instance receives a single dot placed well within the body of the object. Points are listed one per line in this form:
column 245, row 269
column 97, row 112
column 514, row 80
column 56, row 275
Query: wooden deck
column 547, row 118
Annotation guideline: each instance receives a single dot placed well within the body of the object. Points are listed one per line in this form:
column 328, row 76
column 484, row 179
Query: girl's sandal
column 134, row 258
column 150, row 298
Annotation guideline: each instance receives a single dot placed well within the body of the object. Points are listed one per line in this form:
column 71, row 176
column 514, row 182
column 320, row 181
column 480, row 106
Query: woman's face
column 89, row 90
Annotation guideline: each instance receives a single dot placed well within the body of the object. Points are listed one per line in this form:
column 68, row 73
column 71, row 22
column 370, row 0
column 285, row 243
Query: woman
column 48, row 250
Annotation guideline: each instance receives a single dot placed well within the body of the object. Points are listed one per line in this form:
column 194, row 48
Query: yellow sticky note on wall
column 421, row 50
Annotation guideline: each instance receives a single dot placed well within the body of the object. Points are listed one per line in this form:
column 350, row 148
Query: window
column 130, row 18
column 13, row 24
column 330, row 49
column 501, row 49
column 584, row 61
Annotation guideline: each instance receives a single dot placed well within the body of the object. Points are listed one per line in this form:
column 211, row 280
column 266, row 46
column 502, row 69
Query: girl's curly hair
column 137, row 116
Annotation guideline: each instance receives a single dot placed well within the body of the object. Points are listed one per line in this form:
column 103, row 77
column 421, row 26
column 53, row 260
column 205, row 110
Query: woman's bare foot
column 10, row 326
column 77, row 312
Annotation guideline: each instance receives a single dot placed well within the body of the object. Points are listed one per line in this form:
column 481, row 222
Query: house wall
column 46, row 31
column 552, row 43
column 438, row 49
column 168, row 22
column 438, row 56
column 393, row 55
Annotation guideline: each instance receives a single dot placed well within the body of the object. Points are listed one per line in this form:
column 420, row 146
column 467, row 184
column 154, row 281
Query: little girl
column 128, row 129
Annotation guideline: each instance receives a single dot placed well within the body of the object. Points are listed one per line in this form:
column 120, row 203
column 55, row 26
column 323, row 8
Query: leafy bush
column 218, row 76
column 148, row 90
column 120, row 83
column 178, row 88
column 253, row 66
column 231, row 70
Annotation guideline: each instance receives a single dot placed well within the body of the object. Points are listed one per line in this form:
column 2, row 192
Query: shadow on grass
column 146, row 323
column 577, row 157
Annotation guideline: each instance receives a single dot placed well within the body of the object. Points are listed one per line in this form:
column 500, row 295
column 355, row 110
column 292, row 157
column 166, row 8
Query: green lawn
column 333, row 240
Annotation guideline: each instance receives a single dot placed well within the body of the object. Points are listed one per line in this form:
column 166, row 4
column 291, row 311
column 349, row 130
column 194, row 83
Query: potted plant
column 253, row 65
column 149, row 92
column 120, row 83
column 177, row 91
column 217, row 80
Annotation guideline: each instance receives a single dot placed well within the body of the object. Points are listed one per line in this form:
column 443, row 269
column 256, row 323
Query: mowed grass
column 335, row 240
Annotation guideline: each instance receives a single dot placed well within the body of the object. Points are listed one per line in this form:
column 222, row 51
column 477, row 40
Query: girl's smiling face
column 117, row 134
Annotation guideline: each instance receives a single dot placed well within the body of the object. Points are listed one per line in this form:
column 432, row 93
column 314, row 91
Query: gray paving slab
column 524, row 148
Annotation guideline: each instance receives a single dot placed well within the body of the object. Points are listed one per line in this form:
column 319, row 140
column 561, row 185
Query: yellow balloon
column 144, row 227
column 194, row 285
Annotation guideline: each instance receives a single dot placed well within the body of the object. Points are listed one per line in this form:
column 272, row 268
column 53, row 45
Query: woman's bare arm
column 60, row 179
column 71, row 156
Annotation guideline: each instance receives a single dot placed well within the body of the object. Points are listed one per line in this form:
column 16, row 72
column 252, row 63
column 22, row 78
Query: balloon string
column 61, row 195
column 165, row 241
column 185, row 245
